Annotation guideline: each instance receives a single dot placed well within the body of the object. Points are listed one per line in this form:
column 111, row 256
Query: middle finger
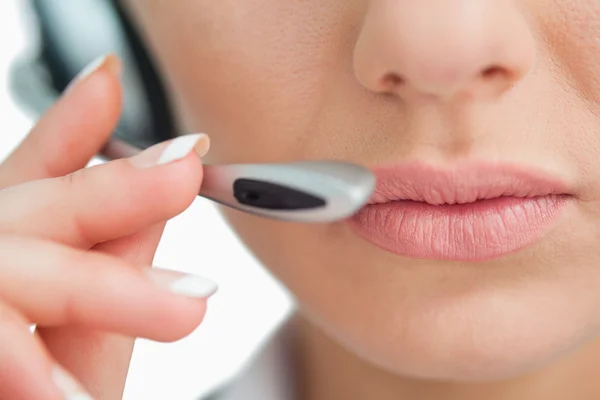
column 52, row 284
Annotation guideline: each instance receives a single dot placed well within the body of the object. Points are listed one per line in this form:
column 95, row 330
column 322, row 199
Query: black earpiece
column 269, row 196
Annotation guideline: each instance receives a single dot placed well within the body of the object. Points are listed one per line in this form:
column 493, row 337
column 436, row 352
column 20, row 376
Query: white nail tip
column 91, row 67
column 179, row 148
column 68, row 386
column 193, row 286
column 79, row 396
column 87, row 71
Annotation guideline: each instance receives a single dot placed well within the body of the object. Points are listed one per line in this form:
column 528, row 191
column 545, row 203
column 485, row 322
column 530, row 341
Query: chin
column 480, row 336
column 441, row 320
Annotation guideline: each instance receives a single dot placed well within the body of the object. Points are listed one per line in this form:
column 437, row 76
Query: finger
column 108, row 201
column 138, row 248
column 27, row 372
column 101, row 360
column 55, row 285
column 72, row 131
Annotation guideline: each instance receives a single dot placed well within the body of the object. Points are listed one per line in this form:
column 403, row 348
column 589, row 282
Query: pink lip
column 473, row 212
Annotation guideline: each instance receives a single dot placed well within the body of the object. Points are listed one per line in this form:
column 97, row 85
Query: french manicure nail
column 183, row 284
column 173, row 150
column 110, row 62
column 184, row 145
column 68, row 385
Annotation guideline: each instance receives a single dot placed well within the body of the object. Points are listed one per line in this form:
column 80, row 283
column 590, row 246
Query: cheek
column 255, row 81
column 574, row 42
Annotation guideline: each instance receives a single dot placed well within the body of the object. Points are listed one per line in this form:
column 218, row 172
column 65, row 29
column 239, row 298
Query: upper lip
column 462, row 184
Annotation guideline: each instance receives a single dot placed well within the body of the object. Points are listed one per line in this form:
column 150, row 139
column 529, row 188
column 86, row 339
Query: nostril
column 392, row 80
column 493, row 72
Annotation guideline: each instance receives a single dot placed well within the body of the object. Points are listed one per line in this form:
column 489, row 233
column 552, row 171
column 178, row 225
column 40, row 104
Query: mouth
column 474, row 212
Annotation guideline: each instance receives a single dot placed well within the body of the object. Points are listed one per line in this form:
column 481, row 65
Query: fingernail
column 68, row 385
column 173, row 150
column 183, row 284
column 109, row 62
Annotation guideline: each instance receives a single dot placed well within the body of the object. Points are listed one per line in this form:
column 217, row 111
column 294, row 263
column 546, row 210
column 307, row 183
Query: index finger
column 111, row 200
column 72, row 131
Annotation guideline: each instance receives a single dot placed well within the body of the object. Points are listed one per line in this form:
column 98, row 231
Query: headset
column 74, row 32
column 71, row 33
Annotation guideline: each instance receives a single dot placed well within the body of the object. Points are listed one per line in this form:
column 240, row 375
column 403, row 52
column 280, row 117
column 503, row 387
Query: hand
column 72, row 242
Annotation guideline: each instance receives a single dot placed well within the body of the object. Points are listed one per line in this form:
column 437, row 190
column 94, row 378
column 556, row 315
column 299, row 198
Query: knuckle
column 73, row 179
column 101, row 271
column 71, row 305
column 73, row 182
column 72, row 310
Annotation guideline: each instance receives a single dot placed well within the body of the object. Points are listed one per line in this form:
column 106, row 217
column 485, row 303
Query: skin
column 87, row 285
column 379, row 82
column 375, row 82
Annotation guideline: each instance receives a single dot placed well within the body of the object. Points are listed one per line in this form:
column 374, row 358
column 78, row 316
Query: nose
column 443, row 48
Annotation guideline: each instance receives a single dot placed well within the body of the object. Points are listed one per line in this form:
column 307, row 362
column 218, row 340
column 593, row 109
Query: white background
column 247, row 307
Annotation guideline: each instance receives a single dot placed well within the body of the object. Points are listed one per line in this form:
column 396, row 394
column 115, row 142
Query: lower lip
column 477, row 231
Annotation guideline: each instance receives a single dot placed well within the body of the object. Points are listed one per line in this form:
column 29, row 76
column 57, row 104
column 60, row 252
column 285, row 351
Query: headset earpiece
column 75, row 32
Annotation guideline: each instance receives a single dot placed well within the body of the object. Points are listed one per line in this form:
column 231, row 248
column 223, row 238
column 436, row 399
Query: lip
column 471, row 212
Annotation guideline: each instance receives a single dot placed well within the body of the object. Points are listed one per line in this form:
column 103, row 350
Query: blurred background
column 248, row 306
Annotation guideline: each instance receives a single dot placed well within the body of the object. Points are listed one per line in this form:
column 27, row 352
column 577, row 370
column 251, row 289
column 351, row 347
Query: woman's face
column 452, row 101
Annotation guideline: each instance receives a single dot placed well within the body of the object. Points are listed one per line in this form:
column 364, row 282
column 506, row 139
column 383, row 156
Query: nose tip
column 440, row 48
